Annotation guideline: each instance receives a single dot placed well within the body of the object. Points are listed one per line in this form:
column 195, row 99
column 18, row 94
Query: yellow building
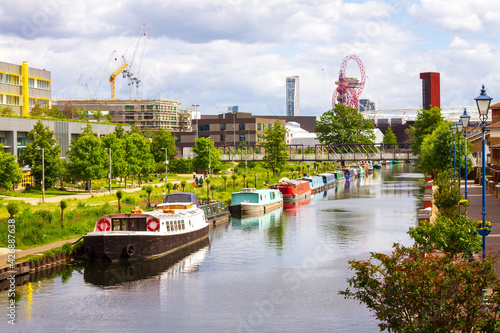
column 22, row 87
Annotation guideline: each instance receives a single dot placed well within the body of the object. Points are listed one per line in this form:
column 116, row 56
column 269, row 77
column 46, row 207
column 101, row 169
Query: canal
column 280, row 272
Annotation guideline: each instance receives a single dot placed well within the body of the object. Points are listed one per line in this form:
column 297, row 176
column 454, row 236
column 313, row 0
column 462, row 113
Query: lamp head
column 454, row 129
column 460, row 126
column 465, row 118
column 483, row 104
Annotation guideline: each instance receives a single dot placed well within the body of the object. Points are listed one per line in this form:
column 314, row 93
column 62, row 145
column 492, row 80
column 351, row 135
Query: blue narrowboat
column 349, row 174
column 316, row 183
column 328, row 179
column 253, row 202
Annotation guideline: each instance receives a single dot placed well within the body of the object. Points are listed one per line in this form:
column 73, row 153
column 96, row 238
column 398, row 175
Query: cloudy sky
column 238, row 52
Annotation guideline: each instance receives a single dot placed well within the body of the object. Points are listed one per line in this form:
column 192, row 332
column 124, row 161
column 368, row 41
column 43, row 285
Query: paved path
column 474, row 195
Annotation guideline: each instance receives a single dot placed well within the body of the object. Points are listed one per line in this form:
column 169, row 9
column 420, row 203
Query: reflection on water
column 185, row 260
column 278, row 272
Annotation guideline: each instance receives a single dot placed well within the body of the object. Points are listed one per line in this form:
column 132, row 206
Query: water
column 278, row 273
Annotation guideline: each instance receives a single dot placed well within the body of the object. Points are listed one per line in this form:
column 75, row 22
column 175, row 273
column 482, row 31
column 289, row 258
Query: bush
column 13, row 208
column 130, row 201
column 45, row 215
column 81, row 204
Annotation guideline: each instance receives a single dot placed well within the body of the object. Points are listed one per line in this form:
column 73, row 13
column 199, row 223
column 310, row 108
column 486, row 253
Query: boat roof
column 181, row 197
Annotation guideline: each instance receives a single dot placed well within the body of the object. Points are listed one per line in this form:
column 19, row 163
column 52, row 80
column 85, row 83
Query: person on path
column 196, row 180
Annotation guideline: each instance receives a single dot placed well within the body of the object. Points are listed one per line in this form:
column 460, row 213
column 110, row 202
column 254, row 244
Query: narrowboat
column 328, row 179
column 215, row 212
column 293, row 189
column 316, row 183
column 349, row 175
column 377, row 165
column 339, row 176
column 172, row 225
column 360, row 172
column 253, row 202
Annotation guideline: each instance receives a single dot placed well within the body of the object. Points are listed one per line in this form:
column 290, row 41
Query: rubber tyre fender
column 130, row 250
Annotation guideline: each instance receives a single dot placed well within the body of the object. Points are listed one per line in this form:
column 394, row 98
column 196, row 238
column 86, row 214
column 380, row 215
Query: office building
column 23, row 87
column 292, row 96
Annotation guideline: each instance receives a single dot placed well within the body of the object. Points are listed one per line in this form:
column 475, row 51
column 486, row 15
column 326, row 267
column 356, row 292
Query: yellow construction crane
column 112, row 79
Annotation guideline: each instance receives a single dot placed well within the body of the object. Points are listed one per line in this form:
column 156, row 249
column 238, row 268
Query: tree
column 410, row 134
column 208, row 181
column 97, row 114
column 12, row 208
column 425, row 123
column 118, row 162
column 169, row 187
column 148, row 190
column 119, row 196
column 344, row 125
column 87, row 157
column 81, row 113
column 138, row 157
column 233, row 177
column 411, row 292
column 390, row 139
column 6, row 111
column 275, row 148
column 183, row 184
column 163, row 139
column 434, row 152
column 225, row 182
column 203, row 148
column 63, row 204
column 42, row 137
column 10, row 173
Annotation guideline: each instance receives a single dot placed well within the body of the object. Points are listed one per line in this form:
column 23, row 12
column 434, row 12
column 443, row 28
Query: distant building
column 150, row 114
column 431, row 91
column 292, row 96
column 366, row 105
column 299, row 136
column 23, row 87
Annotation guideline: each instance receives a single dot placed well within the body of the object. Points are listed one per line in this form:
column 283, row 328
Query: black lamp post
column 454, row 130
column 483, row 105
column 465, row 122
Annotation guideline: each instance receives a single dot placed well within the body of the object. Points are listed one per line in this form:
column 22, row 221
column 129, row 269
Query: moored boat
column 316, row 183
column 174, row 224
column 215, row 212
column 339, row 176
column 293, row 189
column 360, row 172
column 252, row 202
column 328, row 179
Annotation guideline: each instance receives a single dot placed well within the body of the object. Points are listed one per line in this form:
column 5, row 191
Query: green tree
column 434, row 152
column 425, row 123
column 119, row 196
column 344, row 125
column 6, row 111
column 203, row 148
column 42, row 137
column 10, row 173
column 390, row 139
column 97, row 114
column 87, row 157
column 148, row 190
column 225, row 182
column 208, row 181
column 233, row 177
column 138, row 157
column 81, row 113
column 118, row 162
column 183, row 184
column 275, row 148
column 12, row 208
column 63, row 204
column 410, row 134
column 162, row 139
column 169, row 186
column 120, row 131
column 411, row 292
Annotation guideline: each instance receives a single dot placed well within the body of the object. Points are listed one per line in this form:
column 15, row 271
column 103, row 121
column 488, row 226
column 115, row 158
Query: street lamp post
column 483, row 105
column 453, row 132
column 451, row 153
column 166, row 165
column 465, row 122
column 460, row 128
column 109, row 175
column 43, row 172
column 209, row 162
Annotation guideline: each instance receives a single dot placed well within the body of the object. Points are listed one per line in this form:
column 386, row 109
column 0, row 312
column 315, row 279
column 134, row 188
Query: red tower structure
column 431, row 90
column 349, row 88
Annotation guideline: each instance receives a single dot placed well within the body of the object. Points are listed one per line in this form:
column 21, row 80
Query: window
column 42, row 84
column 259, row 137
column 21, row 142
column 242, row 138
column 31, row 83
column 241, row 127
column 129, row 107
column 269, row 125
column 149, row 107
column 259, row 126
column 1, row 77
column 223, row 138
column 222, row 127
column 142, row 107
column 204, row 128
column 282, row 126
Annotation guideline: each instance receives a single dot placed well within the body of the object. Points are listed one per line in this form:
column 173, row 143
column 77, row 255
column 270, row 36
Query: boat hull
column 248, row 210
column 112, row 247
column 297, row 197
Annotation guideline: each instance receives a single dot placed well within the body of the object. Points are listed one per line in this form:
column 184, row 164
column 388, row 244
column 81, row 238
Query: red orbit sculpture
column 349, row 88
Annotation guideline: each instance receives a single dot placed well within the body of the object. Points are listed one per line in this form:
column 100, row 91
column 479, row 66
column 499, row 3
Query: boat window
column 183, row 226
column 168, row 225
column 261, row 197
column 213, row 209
column 117, row 225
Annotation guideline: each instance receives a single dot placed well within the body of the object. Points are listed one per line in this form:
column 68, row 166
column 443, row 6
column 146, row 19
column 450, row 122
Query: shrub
column 130, row 200
column 81, row 204
column 45, row 215
column 13, row 208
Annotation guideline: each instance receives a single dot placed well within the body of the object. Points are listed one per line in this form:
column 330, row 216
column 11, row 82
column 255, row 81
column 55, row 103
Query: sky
column 219, row 53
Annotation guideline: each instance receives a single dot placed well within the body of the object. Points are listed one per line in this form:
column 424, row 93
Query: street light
column 109, row 150
column 451, row 153
column 454, row 130
column 483, row 105
column 43, row 172
column 166, row 164
column 465, row 122
column 460, row 128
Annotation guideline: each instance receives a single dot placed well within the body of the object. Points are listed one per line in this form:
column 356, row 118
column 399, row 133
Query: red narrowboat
column 293, row 189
